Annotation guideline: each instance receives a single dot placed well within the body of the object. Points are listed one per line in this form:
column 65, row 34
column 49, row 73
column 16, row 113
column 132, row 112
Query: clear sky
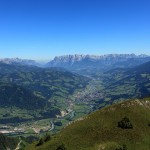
column 42, row 29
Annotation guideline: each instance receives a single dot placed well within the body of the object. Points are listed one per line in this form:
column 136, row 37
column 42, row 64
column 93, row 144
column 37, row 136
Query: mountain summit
column 18, row 61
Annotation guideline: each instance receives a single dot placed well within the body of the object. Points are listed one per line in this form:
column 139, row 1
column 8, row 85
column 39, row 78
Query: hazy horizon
column 48, row 59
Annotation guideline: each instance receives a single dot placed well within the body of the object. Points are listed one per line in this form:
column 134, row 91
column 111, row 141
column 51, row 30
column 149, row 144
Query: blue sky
column 42, row 29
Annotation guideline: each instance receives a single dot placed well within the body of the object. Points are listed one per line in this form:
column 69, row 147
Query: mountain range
column 86, row 64
column 18, row 61
column 113, row 78
column 36, row 99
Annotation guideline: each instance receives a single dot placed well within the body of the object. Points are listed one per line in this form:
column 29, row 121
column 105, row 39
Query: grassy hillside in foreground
column 100, row 131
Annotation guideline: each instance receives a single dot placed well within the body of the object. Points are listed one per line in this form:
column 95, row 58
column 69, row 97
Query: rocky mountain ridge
column 78, row 57
column 19, row 61
column 92, row 63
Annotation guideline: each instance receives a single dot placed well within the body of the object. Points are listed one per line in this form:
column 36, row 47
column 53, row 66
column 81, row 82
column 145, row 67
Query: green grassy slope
column 100, row 131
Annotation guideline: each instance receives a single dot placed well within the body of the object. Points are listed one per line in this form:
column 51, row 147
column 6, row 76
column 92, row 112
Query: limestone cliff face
column 102, row 62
